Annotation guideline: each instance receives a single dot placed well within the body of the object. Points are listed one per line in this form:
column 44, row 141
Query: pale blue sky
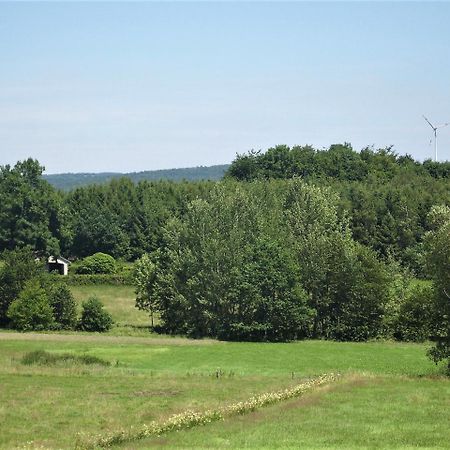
column 139, row 86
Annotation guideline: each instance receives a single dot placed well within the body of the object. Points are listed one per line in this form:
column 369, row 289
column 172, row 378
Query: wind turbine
column 435, row 128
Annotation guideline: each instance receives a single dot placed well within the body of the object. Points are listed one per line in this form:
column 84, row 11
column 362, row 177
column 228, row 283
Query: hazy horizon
column 130, row 87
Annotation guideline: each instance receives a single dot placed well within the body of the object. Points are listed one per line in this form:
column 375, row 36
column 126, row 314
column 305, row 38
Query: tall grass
column 44, row 358
column 189, row 419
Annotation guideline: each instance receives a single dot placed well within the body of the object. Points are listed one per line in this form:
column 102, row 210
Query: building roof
column 58, row 260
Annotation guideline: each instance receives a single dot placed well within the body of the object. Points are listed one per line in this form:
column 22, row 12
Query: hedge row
column 86, row 280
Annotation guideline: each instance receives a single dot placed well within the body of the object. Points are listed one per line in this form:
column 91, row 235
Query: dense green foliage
column 256, row 263
column 387, row 196
column 68, row 181
column 296, row 242
column 438, row 260
column 340, row 162
column 64, row 307
column 18, row 267
column 32, row 309
column 94, row 317
column 414, row 318
column 144, row 278
column 99, row 263
column 122, row 219
column 29, row 209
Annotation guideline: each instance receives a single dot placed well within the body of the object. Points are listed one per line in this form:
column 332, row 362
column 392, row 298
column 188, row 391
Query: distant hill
column 68, row 181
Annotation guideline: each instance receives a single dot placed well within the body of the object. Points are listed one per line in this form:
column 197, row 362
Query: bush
column 32, row 310
column 415, row 314
column 19, row 267
column 94, row 317
column 64, row 307
column 97, row 263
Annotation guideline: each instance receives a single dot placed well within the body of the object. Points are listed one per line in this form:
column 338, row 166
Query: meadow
column 119, row 302
column 387, row 389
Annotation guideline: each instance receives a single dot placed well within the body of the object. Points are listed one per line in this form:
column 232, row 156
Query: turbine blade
column 442, row 125
column 429, row 123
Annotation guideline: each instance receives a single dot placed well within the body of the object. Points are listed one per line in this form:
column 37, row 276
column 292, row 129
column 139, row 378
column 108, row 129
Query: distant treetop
column 339, row 161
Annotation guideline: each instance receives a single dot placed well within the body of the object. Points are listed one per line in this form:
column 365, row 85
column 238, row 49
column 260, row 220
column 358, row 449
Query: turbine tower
column 435, row 128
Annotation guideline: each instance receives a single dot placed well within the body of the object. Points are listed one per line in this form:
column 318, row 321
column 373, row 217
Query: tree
column 345, row 282
column 31, row 310
column 144, row 277
column 415, row 317
column 64, row 307
column 437, row 244
column 224, row 270
column 28, row 209
column 19, row 267
column 94, row 317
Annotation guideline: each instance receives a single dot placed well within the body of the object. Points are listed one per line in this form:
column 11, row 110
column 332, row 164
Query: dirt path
column 14, row 336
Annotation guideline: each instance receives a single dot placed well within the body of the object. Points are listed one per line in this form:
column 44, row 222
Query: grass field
column 119, row 302
column 390, row 395
column 359, row 412
column 156, row 377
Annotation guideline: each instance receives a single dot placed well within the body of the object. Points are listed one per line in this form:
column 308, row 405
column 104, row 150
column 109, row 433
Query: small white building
column 58, row 264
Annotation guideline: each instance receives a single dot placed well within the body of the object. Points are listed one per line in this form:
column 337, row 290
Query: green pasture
column 381, row 412
column 152, row 378
column 119, row 302
column 390, row 396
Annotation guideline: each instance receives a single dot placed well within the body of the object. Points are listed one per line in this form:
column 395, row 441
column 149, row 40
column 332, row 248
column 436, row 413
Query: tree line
column 293, row 243
column 386, row 198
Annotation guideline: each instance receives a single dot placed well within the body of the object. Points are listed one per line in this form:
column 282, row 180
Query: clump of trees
column 64, row 307
column 31, row 300
column 339, row 161
column 18, row 268
column 256, row 262
column 387, row 196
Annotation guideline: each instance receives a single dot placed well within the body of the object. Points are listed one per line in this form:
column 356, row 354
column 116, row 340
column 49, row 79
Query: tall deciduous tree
column 19, row 267
column 438, row 259
column 28, row 209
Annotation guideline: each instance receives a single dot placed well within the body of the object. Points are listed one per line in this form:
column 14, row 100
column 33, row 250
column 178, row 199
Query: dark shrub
column 415, row 315
column 19, row 267
column 116, row 279
column 94, row 317
column 64, row 307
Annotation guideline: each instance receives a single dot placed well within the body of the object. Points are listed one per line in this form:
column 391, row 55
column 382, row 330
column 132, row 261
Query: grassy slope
column 118, row 300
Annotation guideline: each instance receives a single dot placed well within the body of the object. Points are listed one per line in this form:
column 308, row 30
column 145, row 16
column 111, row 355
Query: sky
column 93, row 87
